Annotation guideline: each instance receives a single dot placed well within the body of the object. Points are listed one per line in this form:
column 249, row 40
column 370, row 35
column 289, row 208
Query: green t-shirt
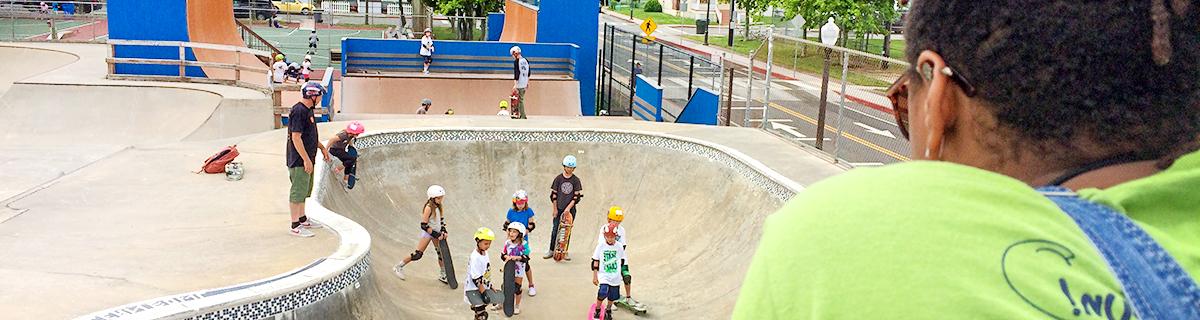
column 936, row 240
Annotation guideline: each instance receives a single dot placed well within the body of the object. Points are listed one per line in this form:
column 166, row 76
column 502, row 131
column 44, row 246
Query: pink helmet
column 355, row 127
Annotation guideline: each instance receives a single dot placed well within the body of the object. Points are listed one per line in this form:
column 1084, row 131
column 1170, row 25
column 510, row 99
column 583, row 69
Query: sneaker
column 516, row 310
column 532, row 291
column 596, row 313
column 399, row 270
column 608, row 314
column 310, row 224
column 566, row 257
column 426, row 72
column 442, row 277
column 301, row 232
column 548, row 255
column 496, row 307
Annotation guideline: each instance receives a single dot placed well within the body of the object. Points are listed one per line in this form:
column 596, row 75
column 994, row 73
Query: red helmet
column 610, row 229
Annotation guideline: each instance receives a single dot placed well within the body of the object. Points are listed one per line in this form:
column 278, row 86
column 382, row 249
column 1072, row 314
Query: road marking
column 865, row 164
column 786, row 128
column 812, row 139
column 848, row 135
column 871, row 129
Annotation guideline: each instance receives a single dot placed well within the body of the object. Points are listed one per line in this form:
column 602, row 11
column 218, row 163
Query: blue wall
column 495, row 26
column 577, row 22
column 164, row 20
column 470, row 49
column 701, row 108
column 647, row 100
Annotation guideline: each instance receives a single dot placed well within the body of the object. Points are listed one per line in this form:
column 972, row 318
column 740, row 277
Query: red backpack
column 216, row 163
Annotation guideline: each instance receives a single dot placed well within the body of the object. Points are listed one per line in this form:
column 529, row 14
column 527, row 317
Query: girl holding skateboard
column 521, row 212
column 515, row 249
column 479, row 292
column 342, row 147
column 431, row 230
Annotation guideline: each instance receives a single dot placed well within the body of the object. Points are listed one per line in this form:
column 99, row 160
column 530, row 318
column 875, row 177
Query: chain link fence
column 678, row 72
column 59, row 21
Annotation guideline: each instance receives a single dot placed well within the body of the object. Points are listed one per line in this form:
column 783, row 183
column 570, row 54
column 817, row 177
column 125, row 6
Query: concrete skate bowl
column 694, row 213
column 21, row 62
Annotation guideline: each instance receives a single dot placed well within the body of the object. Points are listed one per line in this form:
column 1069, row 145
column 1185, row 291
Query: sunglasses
column 898, row 91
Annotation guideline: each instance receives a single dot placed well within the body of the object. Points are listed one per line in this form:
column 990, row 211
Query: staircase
column 255, row 41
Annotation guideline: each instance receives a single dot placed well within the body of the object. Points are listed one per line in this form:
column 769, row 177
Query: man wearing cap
column 520, row 80
column 427, row 49
column 425, row 104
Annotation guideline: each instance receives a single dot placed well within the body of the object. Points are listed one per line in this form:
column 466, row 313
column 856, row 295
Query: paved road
column 870, row 136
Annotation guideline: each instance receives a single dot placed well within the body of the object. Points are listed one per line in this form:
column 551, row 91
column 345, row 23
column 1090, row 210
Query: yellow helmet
column 483, row 233
column 616, row 214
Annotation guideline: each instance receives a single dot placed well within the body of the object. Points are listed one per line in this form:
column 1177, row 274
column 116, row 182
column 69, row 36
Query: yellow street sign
column 647, row 39
column 649, row 26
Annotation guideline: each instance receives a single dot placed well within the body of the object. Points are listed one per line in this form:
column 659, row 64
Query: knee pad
column 518, row 291
column 626, row 278
column 416, row 255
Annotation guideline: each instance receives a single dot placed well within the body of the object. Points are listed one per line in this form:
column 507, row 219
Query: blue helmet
column 312, row 89
column 569, row 161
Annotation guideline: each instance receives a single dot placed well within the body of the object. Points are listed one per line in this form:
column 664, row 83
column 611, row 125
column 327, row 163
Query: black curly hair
column 1075, row 79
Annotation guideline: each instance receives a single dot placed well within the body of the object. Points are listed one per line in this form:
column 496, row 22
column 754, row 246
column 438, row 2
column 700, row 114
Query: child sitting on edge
column 342, row 147
column 516, row 250
column 607, row 261
column 479, row 292
column 504, row 109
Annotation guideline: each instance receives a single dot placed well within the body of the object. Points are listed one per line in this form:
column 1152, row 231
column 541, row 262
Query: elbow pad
column 554, row 196
column 425, row 226
column 577, row 197
column 532, row 226
column 595, row 265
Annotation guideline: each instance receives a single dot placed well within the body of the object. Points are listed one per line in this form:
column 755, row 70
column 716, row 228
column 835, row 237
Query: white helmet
column 435, row 191
column 521, row 195
column 514, row 50
column 517, row 225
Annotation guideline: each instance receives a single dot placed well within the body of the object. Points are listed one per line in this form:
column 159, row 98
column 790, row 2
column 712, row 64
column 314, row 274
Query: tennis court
column 21, row 28
column 294, row 42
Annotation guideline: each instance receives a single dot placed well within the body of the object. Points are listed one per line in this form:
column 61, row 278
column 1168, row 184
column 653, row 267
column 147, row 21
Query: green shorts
column 302, row 184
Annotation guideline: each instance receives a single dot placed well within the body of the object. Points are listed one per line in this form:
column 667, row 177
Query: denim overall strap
column 1153, row 282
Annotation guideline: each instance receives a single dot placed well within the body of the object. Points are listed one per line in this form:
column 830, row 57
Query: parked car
column 259, row 9
column 301, row 6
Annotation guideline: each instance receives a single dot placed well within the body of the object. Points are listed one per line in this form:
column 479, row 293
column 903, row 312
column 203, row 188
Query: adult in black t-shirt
column 565, row 192
column 302, row 147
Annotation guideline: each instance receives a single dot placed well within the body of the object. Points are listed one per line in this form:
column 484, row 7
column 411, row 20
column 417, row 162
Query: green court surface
column 294, row 42
column 20, row 29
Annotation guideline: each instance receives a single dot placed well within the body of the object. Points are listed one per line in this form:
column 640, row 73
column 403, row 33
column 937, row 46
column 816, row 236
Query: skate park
column 102, row 206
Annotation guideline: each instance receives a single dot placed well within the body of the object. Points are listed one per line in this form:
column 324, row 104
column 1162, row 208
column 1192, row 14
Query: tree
column 753, row 6
column 462, row 10
column 860, row 16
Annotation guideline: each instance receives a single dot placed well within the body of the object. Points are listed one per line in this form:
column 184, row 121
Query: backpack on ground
column 216, row 163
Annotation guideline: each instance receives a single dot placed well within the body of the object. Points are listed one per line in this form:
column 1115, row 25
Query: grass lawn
column 659, row 17
column 792, row 56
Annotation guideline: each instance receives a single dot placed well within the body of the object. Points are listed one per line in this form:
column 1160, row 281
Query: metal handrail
column 183, row 63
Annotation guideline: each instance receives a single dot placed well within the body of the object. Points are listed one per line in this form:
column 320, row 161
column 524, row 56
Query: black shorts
column 428, row 59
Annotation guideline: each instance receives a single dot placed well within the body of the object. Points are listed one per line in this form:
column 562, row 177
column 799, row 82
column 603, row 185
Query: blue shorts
column 612, row 293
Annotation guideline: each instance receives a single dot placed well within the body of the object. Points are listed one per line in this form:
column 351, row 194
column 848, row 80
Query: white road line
column 865, row 164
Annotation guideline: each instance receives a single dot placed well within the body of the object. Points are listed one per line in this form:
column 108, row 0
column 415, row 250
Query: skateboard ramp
column 467, row 95
column 20, row 63
column 691, row 240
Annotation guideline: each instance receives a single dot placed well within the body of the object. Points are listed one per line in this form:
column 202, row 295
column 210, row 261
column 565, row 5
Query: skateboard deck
column 564, row 241
column 448, row 262
column 634, row 306
column 592, row 312
column 510, row 287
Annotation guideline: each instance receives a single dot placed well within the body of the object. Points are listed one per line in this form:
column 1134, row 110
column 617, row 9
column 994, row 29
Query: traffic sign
column 649, row 26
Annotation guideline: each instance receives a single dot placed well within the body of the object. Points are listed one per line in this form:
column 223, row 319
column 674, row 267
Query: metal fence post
column 632, row 75
column 749, row 90
column 660, row 64
column 612, row 40
column 691, row 73
column 837, row 145
column 770, row 55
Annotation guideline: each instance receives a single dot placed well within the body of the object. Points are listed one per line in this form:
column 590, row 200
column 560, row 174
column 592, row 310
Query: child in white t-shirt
column 515, row 249
column 607, row 261
column 279, row 69
column 478, row 285
column 306, row 67
column 503, row 109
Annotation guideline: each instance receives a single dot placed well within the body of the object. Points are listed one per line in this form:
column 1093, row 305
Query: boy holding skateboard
column 522, row 213
column 433, row 228
column 479, row 292
column 342, row 147
column 607, row 261
column 615, row 216
column 515, row 251
column 565, row 193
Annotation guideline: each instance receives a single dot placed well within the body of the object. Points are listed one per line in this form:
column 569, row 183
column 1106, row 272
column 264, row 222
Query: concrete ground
column 106, row 203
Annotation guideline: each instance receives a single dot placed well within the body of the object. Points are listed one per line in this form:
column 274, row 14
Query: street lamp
column 707, row 20
column 829, row 37
column 732, row 13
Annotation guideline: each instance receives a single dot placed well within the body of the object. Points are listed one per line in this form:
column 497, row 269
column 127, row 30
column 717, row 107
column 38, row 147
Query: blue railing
column 372, row 56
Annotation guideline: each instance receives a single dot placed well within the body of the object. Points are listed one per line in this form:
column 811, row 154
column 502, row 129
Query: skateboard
column 448, row 262
column 564, row 239
column 513, row 100
column 592, row 312
column 634, row 306
column 510, row 287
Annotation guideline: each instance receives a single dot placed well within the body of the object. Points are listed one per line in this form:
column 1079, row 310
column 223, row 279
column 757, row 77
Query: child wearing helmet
column 565, row 193
column 516, row 250
column 523, row 214
column 479, row 292
column 504, row 109
column 433, row 227
column 607, row 261
column 616, row 215
column 279, row 69
column 342, row 147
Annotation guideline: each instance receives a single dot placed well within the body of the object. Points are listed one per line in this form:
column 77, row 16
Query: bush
column 652, row 6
